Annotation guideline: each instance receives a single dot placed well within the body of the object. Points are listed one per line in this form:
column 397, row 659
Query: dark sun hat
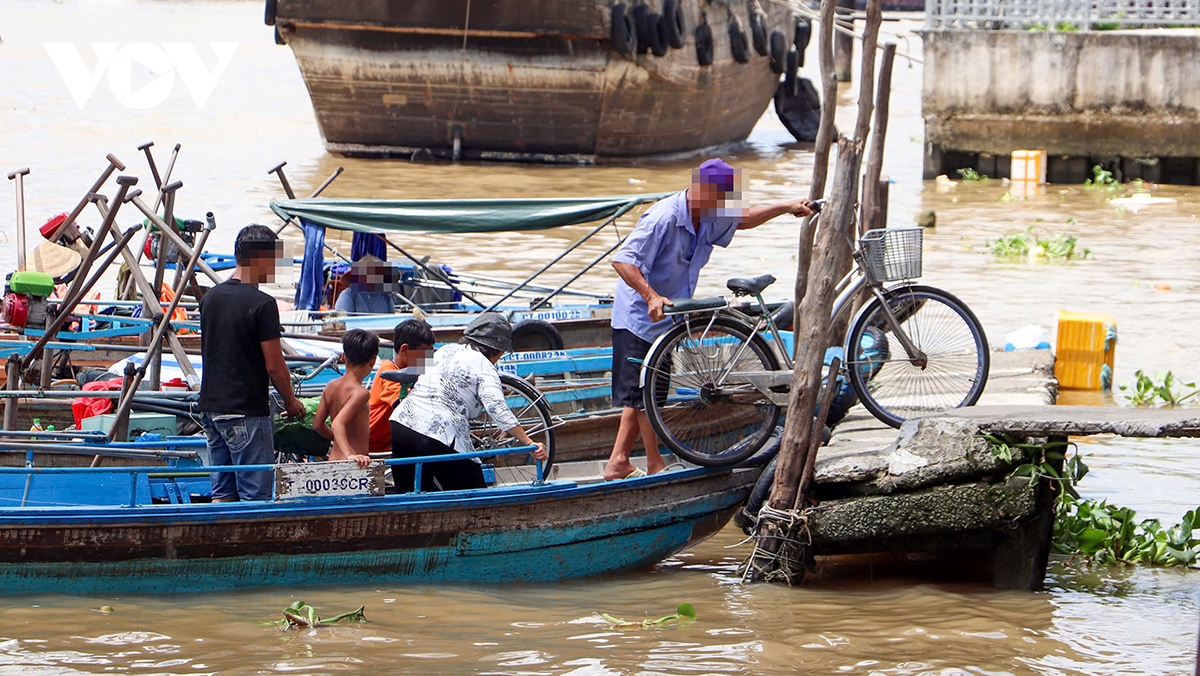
column 490, row 329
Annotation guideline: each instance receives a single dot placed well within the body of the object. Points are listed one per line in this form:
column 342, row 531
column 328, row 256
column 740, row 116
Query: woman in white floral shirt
column 434, row 419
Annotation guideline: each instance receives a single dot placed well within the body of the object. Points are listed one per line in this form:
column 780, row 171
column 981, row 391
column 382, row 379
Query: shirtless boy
column 345, row 401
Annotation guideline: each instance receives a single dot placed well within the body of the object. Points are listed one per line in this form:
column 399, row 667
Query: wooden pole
column 873, row 202
column 812, row 333
column 844, row 43
column 810, row 461
column 816, row 289
column 133, row 380
column 866, row 86
column 820, row 152
column 12, row 370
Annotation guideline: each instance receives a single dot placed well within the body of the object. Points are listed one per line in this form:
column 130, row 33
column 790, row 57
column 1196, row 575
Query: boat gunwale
column 169, row 514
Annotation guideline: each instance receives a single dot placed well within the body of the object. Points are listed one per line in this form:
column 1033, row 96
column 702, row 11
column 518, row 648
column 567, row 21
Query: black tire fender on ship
column 269, row 12
column 758, row 31
column 624, row 30
column 778, row 49
column 672, row 15
column 279, row 37
column 535, row 334
column 802, row 37
column 645, row 31
column 791, row 85
column 704, row 44
column 739, row 43
column 660, row 44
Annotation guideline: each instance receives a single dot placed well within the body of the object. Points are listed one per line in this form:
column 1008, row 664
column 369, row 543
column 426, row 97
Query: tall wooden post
column 843, row 47
column 12, row 369
column 874, row 202
column 820, row 266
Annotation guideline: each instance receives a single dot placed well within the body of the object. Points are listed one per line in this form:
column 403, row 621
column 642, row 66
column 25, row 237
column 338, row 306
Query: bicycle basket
column 892, row 254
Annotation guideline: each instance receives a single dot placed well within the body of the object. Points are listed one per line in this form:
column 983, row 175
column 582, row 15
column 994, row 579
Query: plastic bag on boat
column 86, row 407
column 297, row 439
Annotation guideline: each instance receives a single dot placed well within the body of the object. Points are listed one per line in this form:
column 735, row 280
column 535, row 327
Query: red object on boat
column 51, row 225
column 86, row 407
column 15, row 310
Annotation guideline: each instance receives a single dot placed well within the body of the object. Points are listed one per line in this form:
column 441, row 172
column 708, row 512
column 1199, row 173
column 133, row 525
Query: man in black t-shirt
column 239, row 341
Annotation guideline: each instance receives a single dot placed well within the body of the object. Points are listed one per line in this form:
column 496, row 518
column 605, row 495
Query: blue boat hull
column 525, row 534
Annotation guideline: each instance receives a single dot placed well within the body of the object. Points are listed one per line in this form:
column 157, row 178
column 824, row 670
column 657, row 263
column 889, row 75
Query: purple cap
column 717, row 172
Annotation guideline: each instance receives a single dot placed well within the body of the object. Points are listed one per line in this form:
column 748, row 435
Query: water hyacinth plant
column 1147, row 391
column 969, row 174
column 1093, row 530
column 1061, row 246
column 1105, row 534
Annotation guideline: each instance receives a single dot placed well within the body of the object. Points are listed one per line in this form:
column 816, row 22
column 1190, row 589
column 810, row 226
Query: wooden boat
column 520, row 533
column 540, row 80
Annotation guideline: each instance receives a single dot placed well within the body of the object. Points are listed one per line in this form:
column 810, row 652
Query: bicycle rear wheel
column 533, row 413
column 701, row 416
column 888, row 382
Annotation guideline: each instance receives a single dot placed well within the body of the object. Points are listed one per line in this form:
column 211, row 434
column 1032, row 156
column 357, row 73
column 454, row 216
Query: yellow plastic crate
column 1028, row 165
column 1087, row 345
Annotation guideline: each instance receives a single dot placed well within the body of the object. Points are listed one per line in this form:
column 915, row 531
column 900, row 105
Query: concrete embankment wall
column 1128, row 100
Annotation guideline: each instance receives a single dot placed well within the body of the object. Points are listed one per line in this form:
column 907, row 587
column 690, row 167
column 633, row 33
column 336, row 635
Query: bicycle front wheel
column 699, row 406
column 949, row 371
column 533, row 413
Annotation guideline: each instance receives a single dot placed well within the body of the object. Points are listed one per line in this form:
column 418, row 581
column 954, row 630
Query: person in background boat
column 434, row 419
column 412, row 342
column 370, row 291
column 660, row 260
column 240, row 346
column 345, row 401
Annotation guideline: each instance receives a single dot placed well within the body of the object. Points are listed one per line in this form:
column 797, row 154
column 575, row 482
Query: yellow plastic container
column 1087, row 344
column 1028, row 165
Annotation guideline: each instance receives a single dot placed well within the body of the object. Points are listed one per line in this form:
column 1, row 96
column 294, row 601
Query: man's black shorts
column 625, row 390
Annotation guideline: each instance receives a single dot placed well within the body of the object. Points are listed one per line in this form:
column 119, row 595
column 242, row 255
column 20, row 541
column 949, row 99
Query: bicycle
column 533, row 413
column 714, row 384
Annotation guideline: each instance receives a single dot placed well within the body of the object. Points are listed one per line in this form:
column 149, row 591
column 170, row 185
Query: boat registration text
column 310, row 479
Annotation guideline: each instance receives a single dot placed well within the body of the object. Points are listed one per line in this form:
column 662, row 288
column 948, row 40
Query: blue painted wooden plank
column 311, row 507
column 614, row 554
column 49, row 490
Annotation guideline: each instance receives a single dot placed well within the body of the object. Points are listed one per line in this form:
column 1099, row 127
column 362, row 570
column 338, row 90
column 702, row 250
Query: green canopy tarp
column 456, row 216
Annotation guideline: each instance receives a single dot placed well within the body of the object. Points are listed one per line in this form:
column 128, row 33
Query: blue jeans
column 239, row 440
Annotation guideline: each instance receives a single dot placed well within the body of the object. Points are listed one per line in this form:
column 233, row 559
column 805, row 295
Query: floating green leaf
column 300, row 614
column 684, row 611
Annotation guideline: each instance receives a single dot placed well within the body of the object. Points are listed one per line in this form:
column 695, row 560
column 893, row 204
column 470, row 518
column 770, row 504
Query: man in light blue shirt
column 660, row 260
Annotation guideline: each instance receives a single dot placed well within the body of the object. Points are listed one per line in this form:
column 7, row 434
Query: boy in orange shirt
column 412, row 341
column 345, row 401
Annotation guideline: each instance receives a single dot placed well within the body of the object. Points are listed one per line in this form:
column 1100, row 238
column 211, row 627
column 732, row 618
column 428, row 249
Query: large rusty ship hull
column 520, row 79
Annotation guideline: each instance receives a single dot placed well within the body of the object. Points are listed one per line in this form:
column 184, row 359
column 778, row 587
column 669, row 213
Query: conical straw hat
column 54, row 260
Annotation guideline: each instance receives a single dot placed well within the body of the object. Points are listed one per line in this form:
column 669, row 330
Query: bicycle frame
column 847, row 289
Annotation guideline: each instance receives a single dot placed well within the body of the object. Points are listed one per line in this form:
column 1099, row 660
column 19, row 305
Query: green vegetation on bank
column 1093, row 530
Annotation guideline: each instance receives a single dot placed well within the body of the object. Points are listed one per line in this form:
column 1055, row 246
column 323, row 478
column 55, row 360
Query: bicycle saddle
column 399, row 376
column 749, row 286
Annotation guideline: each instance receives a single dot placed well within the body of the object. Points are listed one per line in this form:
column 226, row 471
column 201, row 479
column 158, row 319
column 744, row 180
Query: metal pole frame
column 611, row 219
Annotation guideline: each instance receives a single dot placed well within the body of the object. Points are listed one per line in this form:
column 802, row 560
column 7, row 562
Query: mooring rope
column 781, row 543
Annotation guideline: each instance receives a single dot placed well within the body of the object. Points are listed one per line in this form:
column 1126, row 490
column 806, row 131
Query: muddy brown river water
column 1089, row 621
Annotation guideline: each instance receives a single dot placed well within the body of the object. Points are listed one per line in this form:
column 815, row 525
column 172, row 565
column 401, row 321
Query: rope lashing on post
column 781, row 544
